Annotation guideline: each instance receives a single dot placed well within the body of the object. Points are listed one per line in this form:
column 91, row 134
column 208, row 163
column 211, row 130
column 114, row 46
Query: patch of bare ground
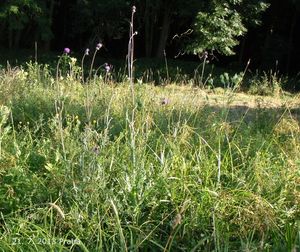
column 237, row 103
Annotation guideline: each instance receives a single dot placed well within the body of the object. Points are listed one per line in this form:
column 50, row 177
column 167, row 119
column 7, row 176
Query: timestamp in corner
column 17, row 241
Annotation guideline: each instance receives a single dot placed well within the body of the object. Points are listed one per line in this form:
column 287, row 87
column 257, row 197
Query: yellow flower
column 73, row 61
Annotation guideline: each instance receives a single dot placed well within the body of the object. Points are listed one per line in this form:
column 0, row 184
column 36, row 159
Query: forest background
column 263, row 31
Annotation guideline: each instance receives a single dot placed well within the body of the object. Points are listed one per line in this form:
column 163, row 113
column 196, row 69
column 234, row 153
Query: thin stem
column 57, row 69
column 59, row 108
column 130, row 53
column 243, row 76
column 82, row 70
column 88, row 106
column 215, row 234
column 132, row 46
column 35, row 51
column 166, row 64
column 92, row 64
column 203, row 68
column 219, row 164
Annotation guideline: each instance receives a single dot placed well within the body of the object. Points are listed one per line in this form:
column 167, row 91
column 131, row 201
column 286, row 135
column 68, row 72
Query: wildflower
column 96, row 149
column 165, row 101
column 107, row 67
column 67, row 50
column 73, row 61
column 87, row 52
column 98, row 46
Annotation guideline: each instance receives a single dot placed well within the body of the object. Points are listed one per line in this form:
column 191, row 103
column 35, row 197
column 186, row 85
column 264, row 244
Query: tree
column 218, row 23
column 295, row 12
column 23, row 17
column 160, row 20
column 100, row 20
column 219, row 26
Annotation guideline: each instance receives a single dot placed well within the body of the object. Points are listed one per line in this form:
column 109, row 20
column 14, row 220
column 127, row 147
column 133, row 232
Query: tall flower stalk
column 88, row 100
column 98, row 47
column 131, row 119
column 59, row 104
column 86, row 53
column 131, row 52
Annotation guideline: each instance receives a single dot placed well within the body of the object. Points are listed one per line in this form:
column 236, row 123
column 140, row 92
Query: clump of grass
column 267, row 84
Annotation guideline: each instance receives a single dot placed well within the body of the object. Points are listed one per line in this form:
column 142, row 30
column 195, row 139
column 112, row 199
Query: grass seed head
column 58, row 209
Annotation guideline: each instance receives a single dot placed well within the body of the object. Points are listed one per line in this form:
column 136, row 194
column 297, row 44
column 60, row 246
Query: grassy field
column 83, row 168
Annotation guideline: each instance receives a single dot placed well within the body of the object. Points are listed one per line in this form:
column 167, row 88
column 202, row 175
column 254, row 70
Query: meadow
column 89, row 167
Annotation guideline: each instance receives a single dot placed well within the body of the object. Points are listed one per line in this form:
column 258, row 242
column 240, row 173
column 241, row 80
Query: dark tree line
column 266, row 31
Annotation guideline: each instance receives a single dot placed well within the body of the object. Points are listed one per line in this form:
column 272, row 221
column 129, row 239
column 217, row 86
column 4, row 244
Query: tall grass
column 187, row 175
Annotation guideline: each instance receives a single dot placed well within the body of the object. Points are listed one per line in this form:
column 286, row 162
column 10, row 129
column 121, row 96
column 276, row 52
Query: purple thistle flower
column 98, row 46
column 67, row 50
column 87, row 51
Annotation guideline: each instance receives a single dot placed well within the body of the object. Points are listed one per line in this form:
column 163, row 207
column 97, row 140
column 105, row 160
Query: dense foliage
column 94, row 18
column 218, row 25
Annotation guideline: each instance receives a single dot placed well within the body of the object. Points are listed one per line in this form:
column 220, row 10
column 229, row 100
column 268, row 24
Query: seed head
column 177, row 220
column 58, row 209
column 87, row 51
column 133, row 9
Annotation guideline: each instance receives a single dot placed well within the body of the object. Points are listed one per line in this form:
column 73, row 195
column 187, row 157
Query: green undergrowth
column 82, row 168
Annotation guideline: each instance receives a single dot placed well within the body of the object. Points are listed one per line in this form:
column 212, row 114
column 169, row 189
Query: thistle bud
column 98, row 46
column 107, row 67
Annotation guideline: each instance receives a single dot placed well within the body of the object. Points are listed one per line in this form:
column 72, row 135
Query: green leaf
column 14, row 9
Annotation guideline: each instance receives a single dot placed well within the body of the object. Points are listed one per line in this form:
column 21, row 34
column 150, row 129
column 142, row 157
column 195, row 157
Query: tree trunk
column 10, row 34
column 17, row 39
column 50, row 18
column 290, row 43
column 148, row 37
column 2, row 30
column 164, row 33
column 266, row 54
column 150, row 18
column 242, row 50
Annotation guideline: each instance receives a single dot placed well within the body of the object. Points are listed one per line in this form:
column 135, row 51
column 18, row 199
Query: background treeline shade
column 266, row 31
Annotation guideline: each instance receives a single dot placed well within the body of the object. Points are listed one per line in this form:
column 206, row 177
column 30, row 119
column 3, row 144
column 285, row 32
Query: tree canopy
column 221, row 23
